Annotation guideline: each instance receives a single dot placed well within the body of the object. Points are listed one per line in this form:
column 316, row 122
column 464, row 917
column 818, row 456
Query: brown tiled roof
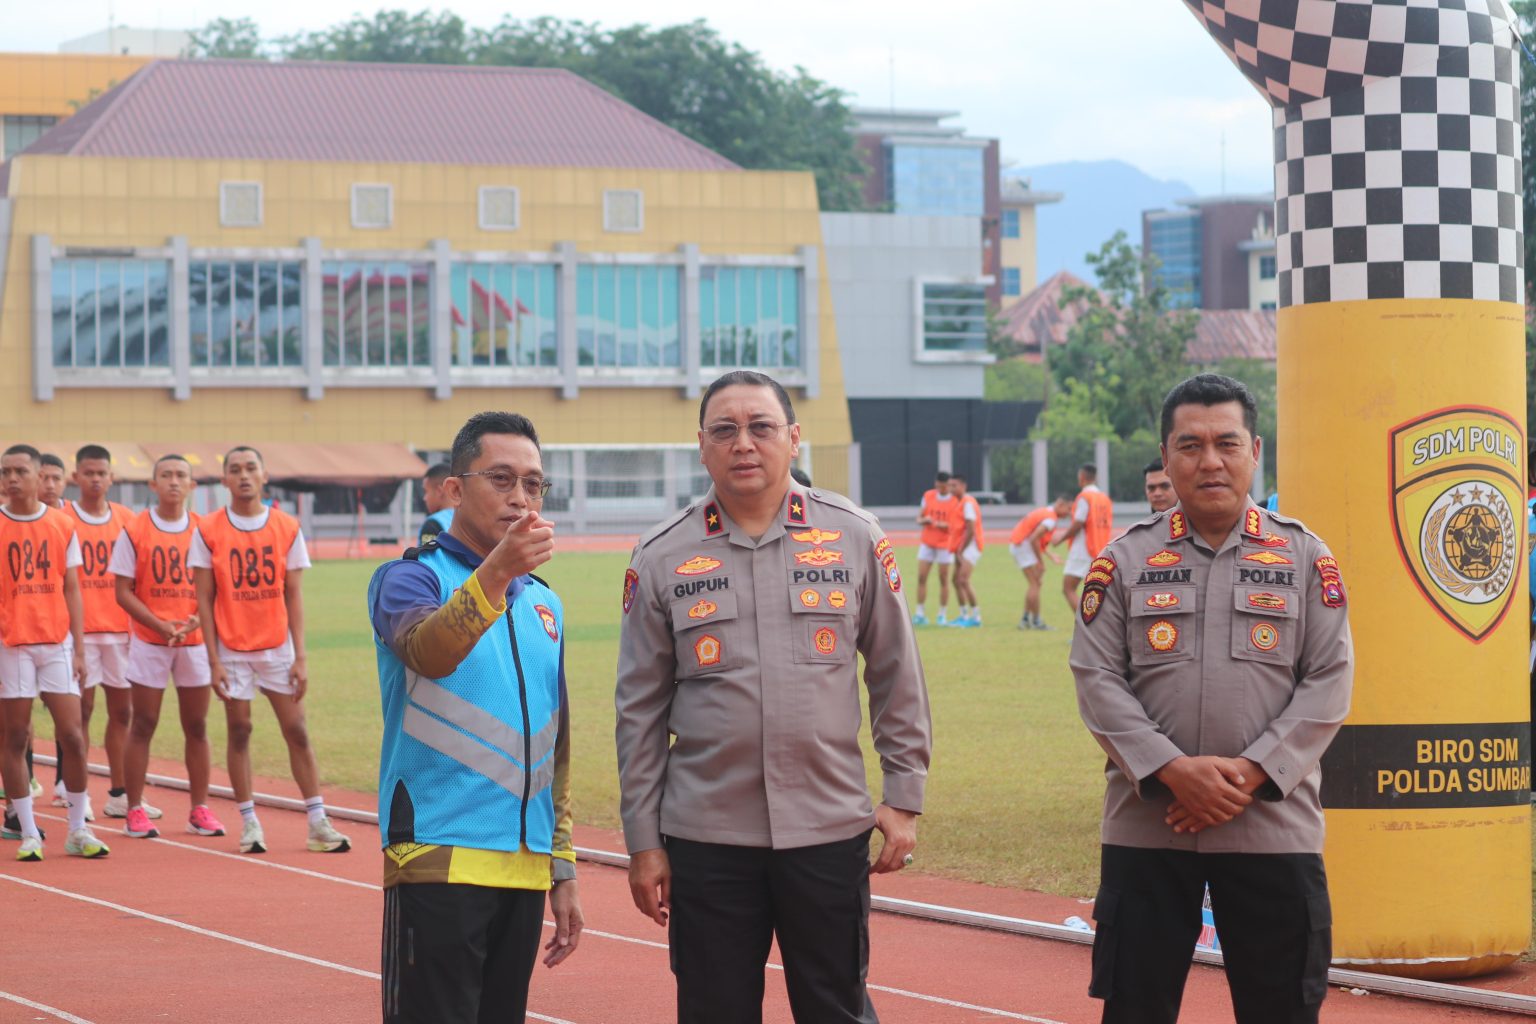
column 385, row 113
column 1219, row 333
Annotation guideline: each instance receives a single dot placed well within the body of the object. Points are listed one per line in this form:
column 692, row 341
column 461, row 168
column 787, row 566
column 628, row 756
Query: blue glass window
column 376, row 314
column 954, row 318
column 1010, row 223
column 1267, row 268
column 936, row 180
column 504, row 314
column 111, row 313
column 1175, row 241
column 246, row 313
column 749, row 317
column 1011, row 281
column 627, row 316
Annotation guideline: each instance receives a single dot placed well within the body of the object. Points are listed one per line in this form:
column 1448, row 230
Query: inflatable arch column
column 1402, row 443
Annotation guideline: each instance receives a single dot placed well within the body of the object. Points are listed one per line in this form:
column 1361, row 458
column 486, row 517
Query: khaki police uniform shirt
column 1241, row 651
column 745, row 653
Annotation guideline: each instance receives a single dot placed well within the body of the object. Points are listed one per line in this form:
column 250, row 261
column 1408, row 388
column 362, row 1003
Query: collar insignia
column 713, row 524
column 1178, row 526
column 796, row 513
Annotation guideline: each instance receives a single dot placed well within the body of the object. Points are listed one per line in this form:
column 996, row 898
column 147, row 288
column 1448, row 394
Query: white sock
column 314, row 806
column 76, row 803
column 21, row 806
column 247, row 810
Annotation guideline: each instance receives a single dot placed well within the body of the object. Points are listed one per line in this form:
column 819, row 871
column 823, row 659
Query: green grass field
column 1015, row 787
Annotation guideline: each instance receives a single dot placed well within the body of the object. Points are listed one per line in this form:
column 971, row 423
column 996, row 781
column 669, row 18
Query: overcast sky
column 1136, row 80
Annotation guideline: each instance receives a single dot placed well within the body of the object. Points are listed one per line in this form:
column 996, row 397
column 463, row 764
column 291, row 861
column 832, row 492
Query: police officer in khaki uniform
column 1213, row 664
column 744, row 801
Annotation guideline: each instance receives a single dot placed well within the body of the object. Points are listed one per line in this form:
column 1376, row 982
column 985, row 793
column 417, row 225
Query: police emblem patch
column 818, row 557
column 826, row 641
column 837, row 599
column 548, row 618
column 1165, row 558
column 703, row 610
column 818, row 537
column 1331, row 581
column 1267, row 558
column 631, row 584
column 698, row 565
column 1457, row 496
column 707, row 650
column 1163, row 600
column 810, row 598
column 1093, row 600
column 893, row 579
column 1265, row 637
column 1162, row 635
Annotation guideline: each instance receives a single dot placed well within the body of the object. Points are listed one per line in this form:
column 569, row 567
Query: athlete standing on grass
column 41, row 624
column 98, row 524
column 934, row 515
column 154, row 586
column 966, row 542
column 248, row 561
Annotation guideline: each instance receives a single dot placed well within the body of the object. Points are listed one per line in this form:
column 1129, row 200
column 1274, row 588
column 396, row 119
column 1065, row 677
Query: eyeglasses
column 535, row 487
column 725, row 433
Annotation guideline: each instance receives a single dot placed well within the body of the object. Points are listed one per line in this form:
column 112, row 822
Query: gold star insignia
column 1477, row 493
column 1457, row 496
column 795, row 507
column 714, row 520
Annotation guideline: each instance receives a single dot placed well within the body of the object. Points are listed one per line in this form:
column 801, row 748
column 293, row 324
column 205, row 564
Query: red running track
column 185, row 928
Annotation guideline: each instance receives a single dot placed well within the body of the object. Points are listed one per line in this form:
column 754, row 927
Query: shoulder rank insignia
column 1274, row 540
column 713, row 524
column 1164, row 558
column 631, row 583
column 1332, row 582
column 1267, row 558
column 817, row 537
column 1253, row 524
column 796, row 514
column 1178, row 527
column 698, row 565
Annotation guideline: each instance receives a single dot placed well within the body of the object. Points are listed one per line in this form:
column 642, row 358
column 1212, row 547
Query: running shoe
column 11, row 829
column 1024, row 623
column 37, row 789
column 942, row 620
column 201, row 822
column 82, row 842
column 31, row 848
column 325, row 839
column 60, row 797
column 117, row 807
column 139, row 826
column 252, row 839
column 920, row 618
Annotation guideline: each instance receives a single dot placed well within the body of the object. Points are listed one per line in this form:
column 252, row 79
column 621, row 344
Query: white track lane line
column 65, row 1016
column 904, row 993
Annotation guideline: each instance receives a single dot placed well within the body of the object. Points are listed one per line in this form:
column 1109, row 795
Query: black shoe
column 12, row 828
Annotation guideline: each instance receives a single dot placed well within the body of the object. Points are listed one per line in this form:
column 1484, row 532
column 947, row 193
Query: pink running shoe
column 201, row 822
column 138, row 825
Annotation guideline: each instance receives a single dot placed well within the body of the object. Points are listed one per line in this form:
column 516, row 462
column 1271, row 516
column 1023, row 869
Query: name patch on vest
column 1164, row 576
column 699, row 586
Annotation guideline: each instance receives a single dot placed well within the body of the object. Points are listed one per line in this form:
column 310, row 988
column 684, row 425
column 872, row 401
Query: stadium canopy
column 304, row 466
column 130, row 463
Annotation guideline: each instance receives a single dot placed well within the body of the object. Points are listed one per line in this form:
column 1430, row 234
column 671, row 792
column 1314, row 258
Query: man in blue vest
column 474, row 773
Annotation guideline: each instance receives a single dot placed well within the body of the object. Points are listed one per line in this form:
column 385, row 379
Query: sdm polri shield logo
column 1458, row 509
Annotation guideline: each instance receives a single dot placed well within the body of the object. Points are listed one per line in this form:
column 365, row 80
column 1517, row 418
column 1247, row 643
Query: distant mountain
column 1102, row 197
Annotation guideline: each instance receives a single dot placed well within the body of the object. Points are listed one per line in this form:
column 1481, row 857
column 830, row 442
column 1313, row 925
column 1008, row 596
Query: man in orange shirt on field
column 1027, row 544
column 98, row 524
column 966, row 542
column 934, row 516
column 1093, row 520
column 42, row 624
column 248, row 561
column 151, row 564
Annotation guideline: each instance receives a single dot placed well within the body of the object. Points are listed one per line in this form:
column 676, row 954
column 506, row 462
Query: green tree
column 1014, row 380
column 1129, row 344
column 388, row 37
column 226, row 37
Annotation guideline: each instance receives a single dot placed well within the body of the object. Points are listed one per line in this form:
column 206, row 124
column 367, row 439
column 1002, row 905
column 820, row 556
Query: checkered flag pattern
column 1397, row 143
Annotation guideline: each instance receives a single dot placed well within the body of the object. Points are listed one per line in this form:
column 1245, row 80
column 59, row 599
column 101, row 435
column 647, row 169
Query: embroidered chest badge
column 810, row 598
column 707, row 650
column 1163, row 600
column 548, row 618
column 1264, row 636
column 826, row 641
column 698, row 565
column 1267, row 558
column 1165, row 558
column 703, row 610
column 1162, row 635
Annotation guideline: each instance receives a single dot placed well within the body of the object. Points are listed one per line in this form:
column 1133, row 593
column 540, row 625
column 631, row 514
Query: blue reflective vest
column 469, row 759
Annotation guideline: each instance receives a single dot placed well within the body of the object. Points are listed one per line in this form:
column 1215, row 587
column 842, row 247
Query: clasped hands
column 1208, row 790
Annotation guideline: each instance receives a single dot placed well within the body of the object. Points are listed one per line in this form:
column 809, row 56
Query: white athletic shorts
column 972, row 553
column 246, row 676
column 155, row 665
column 1024, row 555
column 1077, row 562
column 105, row 664
column 938, row 556
column 34, row 669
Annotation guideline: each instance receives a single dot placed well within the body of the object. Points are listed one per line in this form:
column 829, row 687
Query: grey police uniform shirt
column 738, row 704
column 1240, row 651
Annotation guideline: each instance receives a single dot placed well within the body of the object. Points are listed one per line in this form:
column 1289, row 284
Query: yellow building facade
column 39, row 89
column 189, row 298
column 1017, row 254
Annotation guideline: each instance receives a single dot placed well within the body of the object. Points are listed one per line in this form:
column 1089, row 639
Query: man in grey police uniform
column 744, row 616
column 1213, row 663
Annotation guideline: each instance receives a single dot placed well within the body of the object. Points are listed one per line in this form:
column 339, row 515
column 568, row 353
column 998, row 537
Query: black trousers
column 728, row 903
column 459, row 954
column 1272, row 917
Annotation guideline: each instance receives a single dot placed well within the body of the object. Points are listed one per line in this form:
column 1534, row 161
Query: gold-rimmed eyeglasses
column 726, row 433
column 535, row 487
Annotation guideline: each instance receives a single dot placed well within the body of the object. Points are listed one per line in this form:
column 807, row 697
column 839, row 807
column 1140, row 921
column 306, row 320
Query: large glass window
column 749, row 317
column 111, row 313
column 1011, row 223
column 376, row 314
column 936, row 180
column 22, row 130
column 246, row 313
column 954, row 318
column 626, row 316
column 504, row 315
column 1175, row 240
column 1011, row 281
